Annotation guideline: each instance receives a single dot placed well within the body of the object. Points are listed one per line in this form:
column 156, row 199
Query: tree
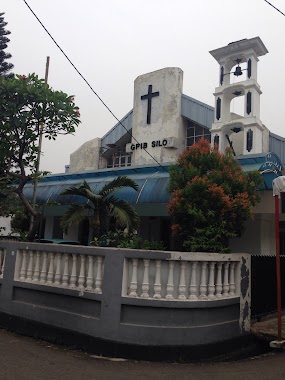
column 101, row 207
column 211, row 198
column 5, row 67
column 28, row 108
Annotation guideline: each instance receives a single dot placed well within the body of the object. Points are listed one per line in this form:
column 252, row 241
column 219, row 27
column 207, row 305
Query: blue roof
column 152, row 181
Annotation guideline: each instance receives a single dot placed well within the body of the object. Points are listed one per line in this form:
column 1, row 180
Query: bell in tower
column 243, row 133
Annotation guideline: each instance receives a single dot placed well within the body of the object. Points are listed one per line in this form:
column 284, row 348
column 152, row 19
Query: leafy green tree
column 29, row 108
column 102, row 207
column 5, row 67
column 211, row 198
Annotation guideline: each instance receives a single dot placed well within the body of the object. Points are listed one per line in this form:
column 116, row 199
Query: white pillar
column 182, row 283
column 145, row 284
column 170, row 284
column 193, row 283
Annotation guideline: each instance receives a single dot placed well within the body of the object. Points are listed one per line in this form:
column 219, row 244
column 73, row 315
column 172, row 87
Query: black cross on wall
column 149, row 97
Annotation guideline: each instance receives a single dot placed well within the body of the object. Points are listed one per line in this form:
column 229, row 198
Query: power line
column 88, row 84
column 274, row 7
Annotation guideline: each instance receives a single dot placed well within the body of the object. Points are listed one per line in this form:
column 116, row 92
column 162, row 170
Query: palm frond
column 123, row 212
column 83, row 190
column 118, row 183
column 74, row 215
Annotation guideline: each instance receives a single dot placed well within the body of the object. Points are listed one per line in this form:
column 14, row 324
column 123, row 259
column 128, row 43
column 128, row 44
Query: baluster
column 1, row 259
column 134, row 280
column 182, row 284
column 65, row 275
column 98, row 280
column 36, row 274
column 232, row 280
column 211, row 285
column 90, row 275
column 23, row 271
column 50, row 269
column 145, row 284
column 81, row 278
column 203, row 284
column 57, row 276
column 170, row 284
column 3, row 264
column 73, row 276
column 226, row 280
column 43, row 275
column 157, row 282
column 193, row 283
column 219, row 285
column 30, row 267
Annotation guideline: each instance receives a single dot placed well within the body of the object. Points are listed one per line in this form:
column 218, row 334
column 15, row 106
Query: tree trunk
column 35, row 227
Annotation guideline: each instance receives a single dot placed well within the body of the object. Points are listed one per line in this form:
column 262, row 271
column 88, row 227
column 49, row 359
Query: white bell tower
column 253, row 135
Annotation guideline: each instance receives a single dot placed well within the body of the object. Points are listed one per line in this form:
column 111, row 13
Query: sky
column 112, row 42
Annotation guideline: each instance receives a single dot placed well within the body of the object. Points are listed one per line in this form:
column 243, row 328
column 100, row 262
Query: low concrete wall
column 145, row 298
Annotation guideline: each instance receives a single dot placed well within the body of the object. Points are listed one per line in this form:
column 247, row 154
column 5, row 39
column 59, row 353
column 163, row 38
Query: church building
column 150, row 138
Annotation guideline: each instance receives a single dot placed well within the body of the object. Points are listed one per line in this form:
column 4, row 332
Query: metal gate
column 263, row 285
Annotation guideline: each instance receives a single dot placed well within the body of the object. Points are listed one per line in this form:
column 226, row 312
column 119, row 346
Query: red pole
column 278, row 272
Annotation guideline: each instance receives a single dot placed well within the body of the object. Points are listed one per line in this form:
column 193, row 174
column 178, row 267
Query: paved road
column 24, row 358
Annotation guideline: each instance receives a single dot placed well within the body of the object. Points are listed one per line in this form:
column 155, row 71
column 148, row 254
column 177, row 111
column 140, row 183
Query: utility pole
column 39, row 154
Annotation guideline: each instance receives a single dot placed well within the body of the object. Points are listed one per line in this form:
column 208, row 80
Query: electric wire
column 88, row 84
column 278, row 10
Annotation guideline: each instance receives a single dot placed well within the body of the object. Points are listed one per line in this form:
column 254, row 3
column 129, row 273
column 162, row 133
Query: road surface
column 24, row 358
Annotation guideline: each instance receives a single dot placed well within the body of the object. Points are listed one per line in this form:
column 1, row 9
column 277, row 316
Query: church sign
column 153, row 144
column 170, row 142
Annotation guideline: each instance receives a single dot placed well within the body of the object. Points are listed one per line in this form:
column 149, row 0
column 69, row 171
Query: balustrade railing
column 64, row 270
column 185, row 280
column 2, row 262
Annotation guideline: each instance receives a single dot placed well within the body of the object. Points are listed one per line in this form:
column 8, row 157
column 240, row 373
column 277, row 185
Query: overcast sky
column 113, row 41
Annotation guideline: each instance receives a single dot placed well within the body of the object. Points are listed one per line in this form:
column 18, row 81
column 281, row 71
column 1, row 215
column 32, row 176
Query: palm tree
column 102, row 207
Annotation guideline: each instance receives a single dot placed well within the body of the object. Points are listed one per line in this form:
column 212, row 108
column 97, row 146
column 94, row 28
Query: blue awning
column 152, row 181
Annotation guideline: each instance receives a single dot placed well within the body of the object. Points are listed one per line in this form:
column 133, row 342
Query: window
column 120, row 160
column 196, row 132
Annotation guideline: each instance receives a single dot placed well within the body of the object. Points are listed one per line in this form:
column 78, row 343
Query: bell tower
column 238, row 77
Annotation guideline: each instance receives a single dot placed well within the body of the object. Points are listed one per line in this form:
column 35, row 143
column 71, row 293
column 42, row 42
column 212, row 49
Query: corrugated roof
column 197, row 111
column 152, row 181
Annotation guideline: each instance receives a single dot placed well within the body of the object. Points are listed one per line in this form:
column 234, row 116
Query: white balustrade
column 170, row 284
column 219, row 285
column 90, row 275
column 232, row 279
column 2, row 262
column 145, row 283
column 43, row 275
column 183, row 279
column 50, row 274
column 182, row 283
column 134, row 281
column 203, row 284
column 226, row 286
column 98, row 280
column 193, row 285
column 65, row 276
column 36, row 274
column 211, row 285
column 63, row 270
column 23, row 271
column 57, row 277
column 81, row 278
column 157, row 283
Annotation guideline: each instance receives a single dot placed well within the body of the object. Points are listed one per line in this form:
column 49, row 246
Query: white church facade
column 150, row 138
